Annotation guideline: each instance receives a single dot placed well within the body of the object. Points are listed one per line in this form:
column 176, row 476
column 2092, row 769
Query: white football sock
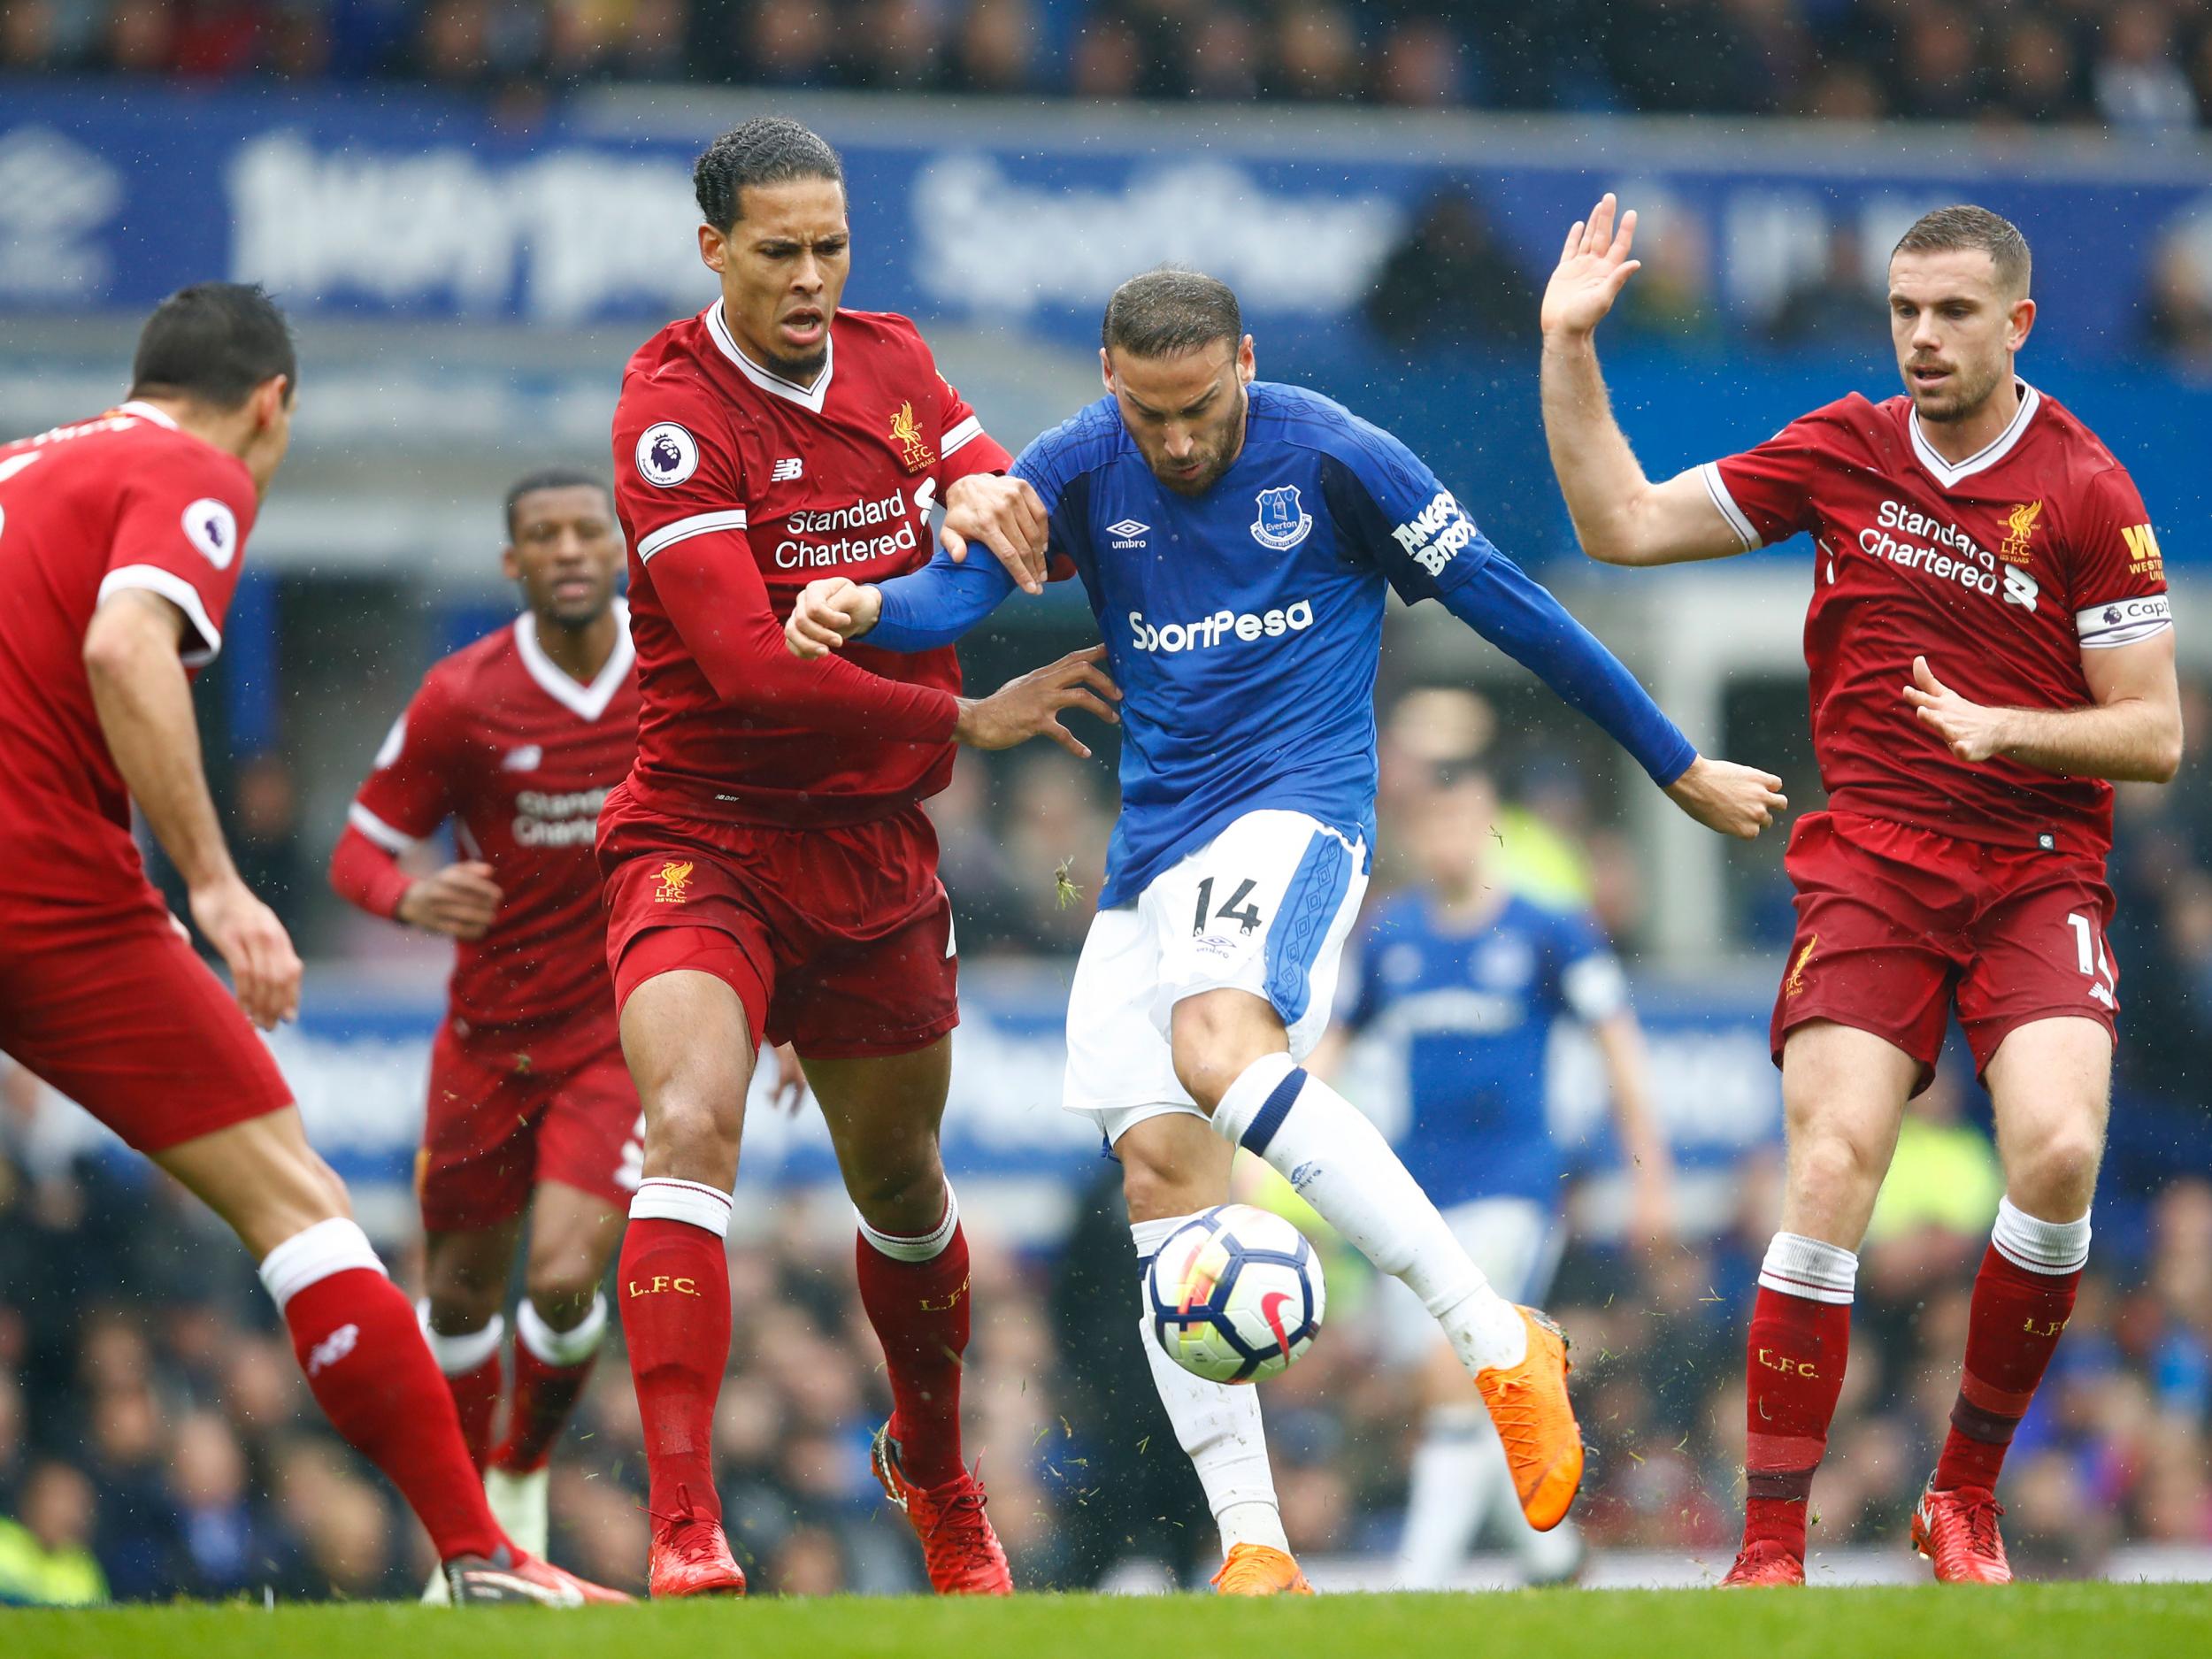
column 1340, row 1164
column 1447, row 1494
column 1218, row 1425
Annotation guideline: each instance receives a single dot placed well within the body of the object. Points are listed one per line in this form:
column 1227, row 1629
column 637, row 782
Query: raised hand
column 1728, row 799
column 1031, row 706
column 264, row 969
column 829, row 613
column 1593, row 268
column 458, row 901
column 1007, row 515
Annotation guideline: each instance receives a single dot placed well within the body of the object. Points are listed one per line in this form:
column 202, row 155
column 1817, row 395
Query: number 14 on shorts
column 1237, row 908
column 2089, row 955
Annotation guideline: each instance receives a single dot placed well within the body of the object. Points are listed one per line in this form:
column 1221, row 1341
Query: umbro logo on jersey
column 529, row 757
column 1128, row 532
column 786, row 469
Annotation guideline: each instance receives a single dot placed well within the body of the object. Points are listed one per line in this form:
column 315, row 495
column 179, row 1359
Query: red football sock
column 675, row 1291
column 2012, row 1333
column 357, row 1341
column 548, row 1380
column 1794, row 1369
column 469, row 1362
column 915, row 1294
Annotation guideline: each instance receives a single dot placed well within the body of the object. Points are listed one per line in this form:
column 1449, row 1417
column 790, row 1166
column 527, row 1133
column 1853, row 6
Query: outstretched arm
column 1522, row 618
column 1620, row 517
column 931, row 607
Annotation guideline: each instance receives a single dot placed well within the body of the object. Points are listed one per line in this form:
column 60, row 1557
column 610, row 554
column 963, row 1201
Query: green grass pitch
column 2140, row 1621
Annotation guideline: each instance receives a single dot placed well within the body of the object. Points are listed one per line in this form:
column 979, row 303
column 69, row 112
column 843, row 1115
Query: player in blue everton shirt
column 1237, row 540
column 1455, row 984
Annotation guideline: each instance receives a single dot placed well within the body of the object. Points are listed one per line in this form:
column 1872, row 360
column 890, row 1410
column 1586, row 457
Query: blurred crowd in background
column 155, row 1439
column 2141, row 64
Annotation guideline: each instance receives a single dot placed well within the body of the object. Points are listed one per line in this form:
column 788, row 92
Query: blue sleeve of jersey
column 1422, row 540
column 1520, row 617
column 938, row 603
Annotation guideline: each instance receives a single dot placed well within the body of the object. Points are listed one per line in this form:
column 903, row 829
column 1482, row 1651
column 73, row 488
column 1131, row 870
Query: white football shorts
column 1264, row 907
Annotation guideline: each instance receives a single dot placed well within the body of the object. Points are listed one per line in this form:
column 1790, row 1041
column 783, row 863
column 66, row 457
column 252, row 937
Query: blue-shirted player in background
column 1237, row 540
column 1455, row 983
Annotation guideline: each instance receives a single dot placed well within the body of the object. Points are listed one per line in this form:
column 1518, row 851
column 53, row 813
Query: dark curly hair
column 767, row 150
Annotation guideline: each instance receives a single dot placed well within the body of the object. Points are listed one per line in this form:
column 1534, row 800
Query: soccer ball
column 1234, row 1294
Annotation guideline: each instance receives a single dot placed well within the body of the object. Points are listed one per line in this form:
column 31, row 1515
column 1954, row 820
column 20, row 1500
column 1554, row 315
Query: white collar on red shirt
column 146, row 412
column 589, row 701
column 808, row 397
column 1948, row 475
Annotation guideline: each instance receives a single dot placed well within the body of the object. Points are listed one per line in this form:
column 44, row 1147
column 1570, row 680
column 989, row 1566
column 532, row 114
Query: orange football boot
column 959, row 1546
column 1528, row 1403
column 1765, row 1562
column 691, row 1556
column 1957, row 1532
column 1260, row 1569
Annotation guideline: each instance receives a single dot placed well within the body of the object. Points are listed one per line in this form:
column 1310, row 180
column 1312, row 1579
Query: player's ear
column 1246, row 364
column 509, row 565
column 1105, row 368
column 270, row 399
column 713, row 248
column 2023, row 322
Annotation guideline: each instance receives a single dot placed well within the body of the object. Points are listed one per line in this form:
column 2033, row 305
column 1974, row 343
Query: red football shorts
column 117, row 1012
column 506, row 1113
column 1895, row 924
column 838, row 939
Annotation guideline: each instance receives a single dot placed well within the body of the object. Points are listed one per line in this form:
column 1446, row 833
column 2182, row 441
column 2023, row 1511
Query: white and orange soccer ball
column 1235, row 1294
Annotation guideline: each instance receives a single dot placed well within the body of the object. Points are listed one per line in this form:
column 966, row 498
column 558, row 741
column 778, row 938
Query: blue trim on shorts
column 1310, row 902
column 1261, row 1130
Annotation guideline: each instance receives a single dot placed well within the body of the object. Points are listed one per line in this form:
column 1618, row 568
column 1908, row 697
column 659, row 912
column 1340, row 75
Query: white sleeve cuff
column 393, row 841
column 1718, row 488
column 684, row 529
column 959, row 436
column 178, row 592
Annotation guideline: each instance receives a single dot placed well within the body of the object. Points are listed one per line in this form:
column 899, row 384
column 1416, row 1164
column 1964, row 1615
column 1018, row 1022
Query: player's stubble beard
column 1219, row 460
column 1955, row 407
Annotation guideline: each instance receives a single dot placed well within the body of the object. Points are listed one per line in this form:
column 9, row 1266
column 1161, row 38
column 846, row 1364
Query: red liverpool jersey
column 125, row 501
column 519, row 756
column 736, row 488
column 2000, row 570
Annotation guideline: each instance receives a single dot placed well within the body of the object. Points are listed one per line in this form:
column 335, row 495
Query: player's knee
column 461, row 1300
column 562, row 1290
column 2060, row 1176
column 689, row 1136
column 903, row 1196
column 1836, row 1169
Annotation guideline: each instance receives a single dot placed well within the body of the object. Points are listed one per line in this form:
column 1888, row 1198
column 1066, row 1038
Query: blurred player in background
column 1460, row 980
column 120, row 541
column 517, row 739
column 1237, row 540
column 770, row 871
column 1990, row 641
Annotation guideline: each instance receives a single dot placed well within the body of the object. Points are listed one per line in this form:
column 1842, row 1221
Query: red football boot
column 1957, row 1532
column 691, row 1556
column 512, row 1576
column 1763, row 1562
column 958, row 1545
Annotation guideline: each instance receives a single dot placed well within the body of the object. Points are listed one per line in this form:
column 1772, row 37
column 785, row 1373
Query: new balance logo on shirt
column 787, row 470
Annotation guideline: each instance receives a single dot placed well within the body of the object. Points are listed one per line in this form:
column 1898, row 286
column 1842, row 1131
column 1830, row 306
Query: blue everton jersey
column 1244, row 624
column 1465, row 1017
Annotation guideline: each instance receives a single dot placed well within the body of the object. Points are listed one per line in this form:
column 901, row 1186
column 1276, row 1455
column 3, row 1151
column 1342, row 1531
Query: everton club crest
column 1282, row 524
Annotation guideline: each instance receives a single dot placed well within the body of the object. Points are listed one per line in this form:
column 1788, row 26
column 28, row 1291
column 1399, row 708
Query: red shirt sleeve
column 679, row 481
column 409, row 791
column 963, row 446
column 1765, row 493
column 180, row 533
column 364, row 874
column 2117, row 585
